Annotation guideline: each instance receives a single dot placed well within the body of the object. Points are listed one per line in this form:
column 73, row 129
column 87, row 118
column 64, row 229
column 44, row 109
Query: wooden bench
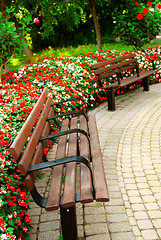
column 117, row 67
column 78, row 152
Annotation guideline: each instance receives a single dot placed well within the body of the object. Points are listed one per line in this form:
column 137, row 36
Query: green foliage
column 11, row 38
column 138, row 23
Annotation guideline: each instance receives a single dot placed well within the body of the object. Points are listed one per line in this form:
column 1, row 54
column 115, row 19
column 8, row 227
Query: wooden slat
column 111, row 61
column 134, row 78
column 53, row 200
column 23, row 134
column 30, row 178
column 126, row 68
column 100, row 184
column 86, row 195
column 115, row 66
column 131, row 79
column 24, row 163
column 70, row 176
column 105, row 75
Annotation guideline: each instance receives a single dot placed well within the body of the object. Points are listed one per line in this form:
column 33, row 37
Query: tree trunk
column 96, row 24
column 28, row 52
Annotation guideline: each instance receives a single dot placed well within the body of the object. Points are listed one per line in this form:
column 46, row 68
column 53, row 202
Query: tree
column 138, row 23
column 9, row 36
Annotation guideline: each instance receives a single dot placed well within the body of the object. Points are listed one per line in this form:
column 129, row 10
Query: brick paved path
column 130, row 142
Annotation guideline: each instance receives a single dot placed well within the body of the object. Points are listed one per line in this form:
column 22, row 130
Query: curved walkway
column 130, row 142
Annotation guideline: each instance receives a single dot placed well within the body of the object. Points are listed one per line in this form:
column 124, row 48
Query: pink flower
column 145, row 10
column 139, row 16
column 13, row 24
column 36, row 20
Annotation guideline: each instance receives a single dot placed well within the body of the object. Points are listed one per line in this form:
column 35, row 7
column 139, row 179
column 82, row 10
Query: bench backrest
column 34, row 127
column 108, row 68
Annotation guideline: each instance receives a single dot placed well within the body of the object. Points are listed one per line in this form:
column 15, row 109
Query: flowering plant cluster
column 65, row 77
column 139, row 23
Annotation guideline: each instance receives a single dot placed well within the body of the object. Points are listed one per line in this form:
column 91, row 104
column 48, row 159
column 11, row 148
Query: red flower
column 2, row 225
column 137, row 3
column 27, row 219
column 139, row 16
column 159, row 6
column 145, row 10
column 19, row 221
column 149, row 3
column 45, row 151
column 22, row 203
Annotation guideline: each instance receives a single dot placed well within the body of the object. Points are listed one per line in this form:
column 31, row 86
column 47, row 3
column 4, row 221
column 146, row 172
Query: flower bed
column 65, row 77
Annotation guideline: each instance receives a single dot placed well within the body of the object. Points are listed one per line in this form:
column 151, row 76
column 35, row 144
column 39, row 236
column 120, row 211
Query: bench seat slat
column 100, row 184
column 53, row 200
column 86, row 195
column 70, row 176
column 131, row 79
column 23, row 134
column 134, row 78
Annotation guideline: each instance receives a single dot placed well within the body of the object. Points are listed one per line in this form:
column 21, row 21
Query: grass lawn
column 19, row 60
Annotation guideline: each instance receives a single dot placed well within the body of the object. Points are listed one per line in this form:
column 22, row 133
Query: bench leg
column 111, row 99
column 69, row 223
column 146, row 83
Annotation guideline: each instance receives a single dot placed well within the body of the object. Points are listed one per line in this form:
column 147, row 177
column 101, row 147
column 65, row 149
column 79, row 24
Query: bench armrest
column 76, row 130
column 41, row 201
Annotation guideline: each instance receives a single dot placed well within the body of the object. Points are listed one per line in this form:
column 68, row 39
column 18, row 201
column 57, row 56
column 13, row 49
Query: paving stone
column 119, row 227
column 34, row 211
column 94, row 210
column 35, row 219
column 99, row 237
column 151, row 206
column 49, row 226
column 49, row 235
column 117, row 218
column 159, row 232
column 116, row 209
column 49, row 216
column 144, row 224
column 148, row 199
column 97, row 228
column 123, row 236
column 138, row 207
column 32, row 236
column 149, row 234
column 140, row 215
column 98, row 218
column 80, row 231
column 156, row 223
column 136, row 231
column 115, row 202
column 154, row 214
